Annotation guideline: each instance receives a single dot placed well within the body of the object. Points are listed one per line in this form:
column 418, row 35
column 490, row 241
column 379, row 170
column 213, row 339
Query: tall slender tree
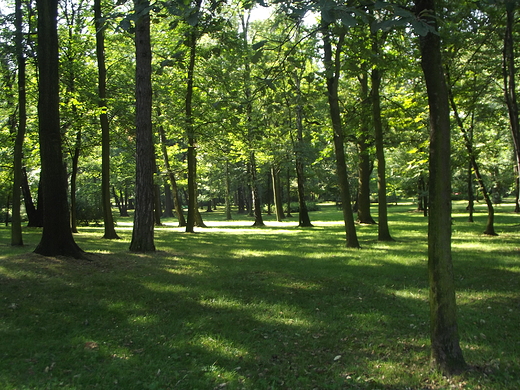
column 333, row 68
column 108, row 219
column 16, row 224
column 57, row 236
column 446, row 351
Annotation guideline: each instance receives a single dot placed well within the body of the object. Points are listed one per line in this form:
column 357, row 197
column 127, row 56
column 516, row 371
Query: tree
column 16, row 225
column 108, row 220
column 446, row 352
column 332, row 69
column 509, row 73
column 143, row 231
column 57, row 236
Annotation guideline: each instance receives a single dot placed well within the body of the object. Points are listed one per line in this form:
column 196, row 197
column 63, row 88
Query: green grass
column 277, row 307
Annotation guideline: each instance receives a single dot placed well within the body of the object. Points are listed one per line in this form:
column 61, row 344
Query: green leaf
column 193, row 19
column 256, row 57
column 259, row 45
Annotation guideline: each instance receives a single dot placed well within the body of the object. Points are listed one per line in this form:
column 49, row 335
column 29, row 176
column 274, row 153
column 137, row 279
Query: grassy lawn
column 278, row 307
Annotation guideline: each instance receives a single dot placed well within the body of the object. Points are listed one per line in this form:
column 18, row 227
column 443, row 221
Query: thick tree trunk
column 364, row 165
column 56, row 237
column 383, row 230
column 143, row 231
column 16, row 219
column 332, row 67
column 446, row 352
column 108, row 219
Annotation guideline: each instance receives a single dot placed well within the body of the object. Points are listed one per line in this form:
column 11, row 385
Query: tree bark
column 143, row 231
column 332, row 67
column 446, row 352
column 108, row 219
column 56, row 237
column 16, row 218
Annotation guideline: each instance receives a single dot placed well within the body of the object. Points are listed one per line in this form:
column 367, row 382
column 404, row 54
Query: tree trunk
column 73, row 178
column 364, row 166
column 303, row 213
column 56, row 237
column 255, row 193
column 143, row 231
column 446, row 352
column 277, row 195
column 490, row 228
column 190, row 130
column 332, row 67
column 509, row 72
column 382, row 227
column 16, row 219
column 108, row 219
column 175, row 192
column 34, row 214
column 228, row 192
column 471, row 196
column 168, row 202
column 288, row 186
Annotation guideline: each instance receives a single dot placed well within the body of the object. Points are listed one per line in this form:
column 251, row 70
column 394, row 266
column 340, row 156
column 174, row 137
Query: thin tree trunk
column 190, row 130
column 228, row 192
column 277, row 196
column 364, row 166
column 175, row 191
column 303, row 213
column 257, row 204
column 446, row 352
column 34, row 214
column 168, row 202
column 143, row 231
column 490, row 228
column 108, row 219
column 288, row 186
column 382, row 227
column 333, row 67
column 471, row 196
column 73, row 179
column 16, row 222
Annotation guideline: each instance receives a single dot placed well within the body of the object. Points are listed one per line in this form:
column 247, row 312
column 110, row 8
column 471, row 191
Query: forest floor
column 276, row 307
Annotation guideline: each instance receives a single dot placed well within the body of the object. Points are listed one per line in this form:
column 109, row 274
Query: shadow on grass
column 257, row 310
